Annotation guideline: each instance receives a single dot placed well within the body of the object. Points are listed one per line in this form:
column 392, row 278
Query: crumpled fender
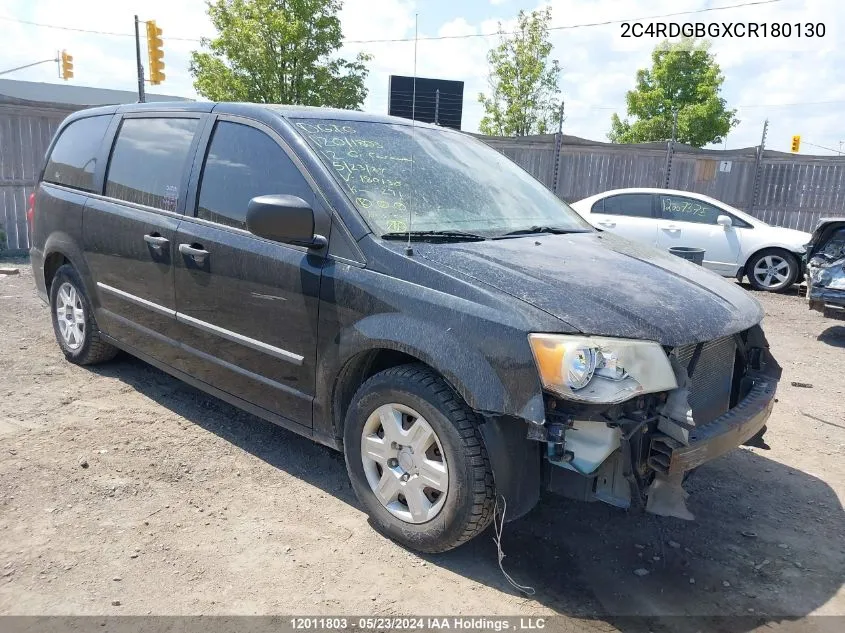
column 462, row 365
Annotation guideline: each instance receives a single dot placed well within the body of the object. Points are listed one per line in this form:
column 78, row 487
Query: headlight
column 820, row 276
column 602, row 370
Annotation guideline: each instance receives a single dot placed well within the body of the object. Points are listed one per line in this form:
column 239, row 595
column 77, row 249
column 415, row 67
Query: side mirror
column 283, row 218
column 724, row 221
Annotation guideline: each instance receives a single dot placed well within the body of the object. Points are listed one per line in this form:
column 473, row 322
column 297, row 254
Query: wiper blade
column 443, row 235
column 540, row 229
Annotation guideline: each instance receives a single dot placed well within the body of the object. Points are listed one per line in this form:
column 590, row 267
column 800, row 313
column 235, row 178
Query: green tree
column 683, row 77
column 523, row 83
column 278, row 51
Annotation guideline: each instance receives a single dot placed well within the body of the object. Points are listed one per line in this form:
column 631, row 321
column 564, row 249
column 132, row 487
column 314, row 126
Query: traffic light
column 155, row 47
column 67, row 66
column 796, row 143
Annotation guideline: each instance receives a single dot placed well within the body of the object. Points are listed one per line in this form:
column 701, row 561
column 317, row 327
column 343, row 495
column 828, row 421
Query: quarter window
column 74, row 157
column 631, row 204
column 682, row 209
column 243, row 162
column 149, row 159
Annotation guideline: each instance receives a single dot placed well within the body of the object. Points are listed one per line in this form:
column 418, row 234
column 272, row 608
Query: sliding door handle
column 194, row 251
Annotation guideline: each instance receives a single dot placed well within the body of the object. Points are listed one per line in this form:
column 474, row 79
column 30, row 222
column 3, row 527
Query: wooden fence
column 791, row 190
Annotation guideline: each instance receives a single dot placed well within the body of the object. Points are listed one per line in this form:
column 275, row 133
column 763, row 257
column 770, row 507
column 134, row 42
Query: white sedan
column 735, row 243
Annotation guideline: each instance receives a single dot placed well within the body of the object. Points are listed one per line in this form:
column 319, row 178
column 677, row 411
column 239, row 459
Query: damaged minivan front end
column 627, row 420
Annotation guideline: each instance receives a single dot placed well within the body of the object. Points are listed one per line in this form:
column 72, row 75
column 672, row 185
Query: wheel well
column 52, row 263
column 358, row 370
column 770, row 249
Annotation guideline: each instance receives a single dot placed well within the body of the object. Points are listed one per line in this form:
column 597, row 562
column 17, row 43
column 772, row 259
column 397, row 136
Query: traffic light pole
column 141, row 95
column 43, row 61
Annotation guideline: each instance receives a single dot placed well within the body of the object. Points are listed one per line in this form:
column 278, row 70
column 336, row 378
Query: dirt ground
column 125, row 491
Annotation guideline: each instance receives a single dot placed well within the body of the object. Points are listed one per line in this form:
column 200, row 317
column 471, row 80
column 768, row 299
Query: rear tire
column 772, row 269
column 73, row 320
column 393, row 412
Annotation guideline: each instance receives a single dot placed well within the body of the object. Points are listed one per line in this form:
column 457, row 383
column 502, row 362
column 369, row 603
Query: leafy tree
column 523, row 83
column 685, row 77
column 278, row 51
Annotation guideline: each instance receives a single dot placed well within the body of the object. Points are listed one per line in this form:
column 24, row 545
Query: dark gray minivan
column 402, row 293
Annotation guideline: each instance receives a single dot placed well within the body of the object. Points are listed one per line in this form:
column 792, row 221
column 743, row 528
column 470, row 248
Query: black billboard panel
column 438, row 101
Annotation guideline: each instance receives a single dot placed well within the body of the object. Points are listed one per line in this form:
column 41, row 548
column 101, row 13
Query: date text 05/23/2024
column 410, row 623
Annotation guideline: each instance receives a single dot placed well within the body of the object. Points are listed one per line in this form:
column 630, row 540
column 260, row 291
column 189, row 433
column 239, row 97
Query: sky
column 798, row 83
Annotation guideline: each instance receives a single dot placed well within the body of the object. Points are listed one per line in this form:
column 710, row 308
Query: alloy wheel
column 70, row 316
column 771, row 271
column 404, row 463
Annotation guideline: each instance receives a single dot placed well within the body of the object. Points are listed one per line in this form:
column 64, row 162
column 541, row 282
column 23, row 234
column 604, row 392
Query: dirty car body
column 826, row 268
column 386, row 260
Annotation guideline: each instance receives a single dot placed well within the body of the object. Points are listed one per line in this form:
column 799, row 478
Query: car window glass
column 74, row 156
column 631, row 204
column 149, row 159
column 243, row 162
column 684, row 209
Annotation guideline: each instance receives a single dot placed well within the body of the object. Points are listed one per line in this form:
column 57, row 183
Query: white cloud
column 598, row 64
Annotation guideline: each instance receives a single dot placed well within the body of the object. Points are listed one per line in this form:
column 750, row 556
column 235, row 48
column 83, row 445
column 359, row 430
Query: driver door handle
column 671, row 228
column 607, row 224
column 156, row 241
column 194, row 251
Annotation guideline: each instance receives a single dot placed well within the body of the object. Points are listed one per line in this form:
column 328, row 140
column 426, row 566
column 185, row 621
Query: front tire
column 417, row 461
column 772, row 269
column 73, row 320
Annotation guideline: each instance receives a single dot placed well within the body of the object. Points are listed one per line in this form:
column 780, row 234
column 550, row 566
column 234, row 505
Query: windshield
column 446, row 181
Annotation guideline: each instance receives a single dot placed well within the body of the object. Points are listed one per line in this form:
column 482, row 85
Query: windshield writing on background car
column 426, row 179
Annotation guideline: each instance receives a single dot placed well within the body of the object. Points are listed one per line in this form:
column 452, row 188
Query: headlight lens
column 820, row 276
column 580, row 366
column 601, row 370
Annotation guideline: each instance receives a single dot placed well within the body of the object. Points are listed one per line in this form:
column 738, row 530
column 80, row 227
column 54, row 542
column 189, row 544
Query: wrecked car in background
column 826, row 268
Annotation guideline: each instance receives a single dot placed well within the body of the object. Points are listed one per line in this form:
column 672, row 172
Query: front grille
column 711, row 379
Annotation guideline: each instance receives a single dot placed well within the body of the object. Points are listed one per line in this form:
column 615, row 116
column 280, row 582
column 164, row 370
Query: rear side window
column 637, row 205
column 684, row 209
column 242, row 163
column 74, row 157
column 149, row 159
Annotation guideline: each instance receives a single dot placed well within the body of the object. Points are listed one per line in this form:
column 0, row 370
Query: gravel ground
column 124, row 491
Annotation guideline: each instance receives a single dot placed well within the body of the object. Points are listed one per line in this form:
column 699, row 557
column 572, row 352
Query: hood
column 823, row 231
column 603, row 285
column 791, row 237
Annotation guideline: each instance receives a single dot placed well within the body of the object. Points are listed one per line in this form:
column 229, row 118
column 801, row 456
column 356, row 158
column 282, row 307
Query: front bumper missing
column 671, row 458
column 744, row 423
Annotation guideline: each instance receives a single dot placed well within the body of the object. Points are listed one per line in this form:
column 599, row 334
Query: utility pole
column 141, row 95
column 758, row 163
column 670, row 149
column 558, row 147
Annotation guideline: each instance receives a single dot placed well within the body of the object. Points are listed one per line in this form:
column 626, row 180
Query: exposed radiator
column 710, row 389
